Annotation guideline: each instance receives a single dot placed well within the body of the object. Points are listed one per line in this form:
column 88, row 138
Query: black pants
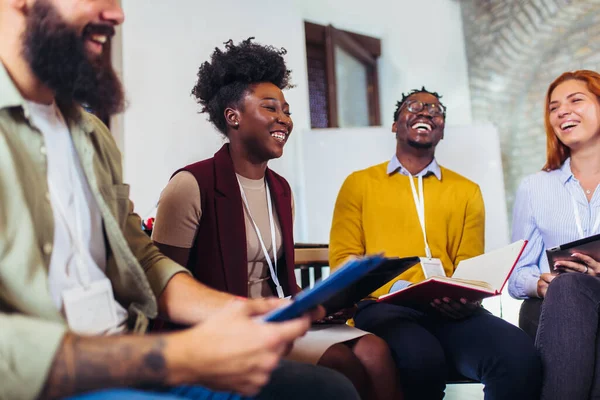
column 529, row 316
column 427, row 348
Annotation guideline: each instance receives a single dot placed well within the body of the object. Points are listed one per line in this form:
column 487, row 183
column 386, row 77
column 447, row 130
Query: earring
column 236, row 123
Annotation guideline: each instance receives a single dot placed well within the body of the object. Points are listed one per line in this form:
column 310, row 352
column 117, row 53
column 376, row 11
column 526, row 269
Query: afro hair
column 223, row 81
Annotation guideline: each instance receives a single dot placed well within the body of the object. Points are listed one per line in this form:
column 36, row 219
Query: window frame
column 365, row 49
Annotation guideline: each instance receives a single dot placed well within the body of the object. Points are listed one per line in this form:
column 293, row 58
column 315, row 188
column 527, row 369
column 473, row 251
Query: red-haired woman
column 560, row 204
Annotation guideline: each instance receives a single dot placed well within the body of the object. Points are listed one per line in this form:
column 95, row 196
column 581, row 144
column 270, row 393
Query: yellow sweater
column 375, row 212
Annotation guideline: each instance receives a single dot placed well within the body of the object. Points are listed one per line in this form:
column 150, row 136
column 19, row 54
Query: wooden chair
column 310, row 256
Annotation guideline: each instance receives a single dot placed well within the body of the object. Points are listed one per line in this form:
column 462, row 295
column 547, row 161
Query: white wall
column 164, row 43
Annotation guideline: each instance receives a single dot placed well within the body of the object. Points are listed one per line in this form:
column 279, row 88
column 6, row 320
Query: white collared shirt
column 69, row 186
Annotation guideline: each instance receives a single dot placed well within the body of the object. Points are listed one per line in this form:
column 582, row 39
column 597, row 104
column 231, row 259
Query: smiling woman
column 229, row 219
column 557, row 205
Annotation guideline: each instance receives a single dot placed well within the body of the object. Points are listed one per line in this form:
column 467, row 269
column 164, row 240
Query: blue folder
column 356, row 279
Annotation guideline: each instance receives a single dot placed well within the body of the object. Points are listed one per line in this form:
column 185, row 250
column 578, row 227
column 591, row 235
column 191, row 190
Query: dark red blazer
column 218, row 256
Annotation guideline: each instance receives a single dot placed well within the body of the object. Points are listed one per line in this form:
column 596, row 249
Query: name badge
column 91, row 311
column 432, row 267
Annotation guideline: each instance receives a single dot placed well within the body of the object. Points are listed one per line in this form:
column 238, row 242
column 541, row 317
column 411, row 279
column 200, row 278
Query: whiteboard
column 327, row 156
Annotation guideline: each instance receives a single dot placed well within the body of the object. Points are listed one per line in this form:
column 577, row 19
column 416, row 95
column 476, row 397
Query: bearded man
column 79, row 280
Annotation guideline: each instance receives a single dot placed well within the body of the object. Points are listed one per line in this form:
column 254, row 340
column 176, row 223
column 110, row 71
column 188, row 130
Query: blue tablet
column 346, row 286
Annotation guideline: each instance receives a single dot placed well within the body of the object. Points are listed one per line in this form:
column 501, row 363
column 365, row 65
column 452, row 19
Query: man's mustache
column 99, row 29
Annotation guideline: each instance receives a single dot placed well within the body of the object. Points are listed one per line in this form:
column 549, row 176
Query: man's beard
column 57, row 56
column 419, row 145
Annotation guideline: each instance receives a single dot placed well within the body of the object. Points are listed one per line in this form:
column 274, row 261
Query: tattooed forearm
column 90, row 363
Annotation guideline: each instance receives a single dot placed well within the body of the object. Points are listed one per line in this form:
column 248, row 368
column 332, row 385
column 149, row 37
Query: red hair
column 556, row 151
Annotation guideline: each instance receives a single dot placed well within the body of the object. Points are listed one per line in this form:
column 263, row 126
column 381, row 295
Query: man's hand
column 455, row 309
column 584, row 265
column 233, row 350
column 543, row 282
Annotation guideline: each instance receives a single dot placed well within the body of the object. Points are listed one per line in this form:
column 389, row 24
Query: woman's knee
column 339, row 357
column 373, row 351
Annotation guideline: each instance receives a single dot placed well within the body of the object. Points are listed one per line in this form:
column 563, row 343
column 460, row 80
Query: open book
column 474, row 279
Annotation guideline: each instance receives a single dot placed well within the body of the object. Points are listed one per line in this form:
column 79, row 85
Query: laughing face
column 574, row 113
column 64, row 44
column 419, row 130
column 264, row 121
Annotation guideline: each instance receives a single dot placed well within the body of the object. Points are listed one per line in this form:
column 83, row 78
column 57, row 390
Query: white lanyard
column 578, row 219
column 272, row 268
column 420, row 205
column 74, row 234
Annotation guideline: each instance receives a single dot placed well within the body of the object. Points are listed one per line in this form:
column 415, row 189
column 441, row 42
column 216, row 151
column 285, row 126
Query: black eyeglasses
column 434, row 109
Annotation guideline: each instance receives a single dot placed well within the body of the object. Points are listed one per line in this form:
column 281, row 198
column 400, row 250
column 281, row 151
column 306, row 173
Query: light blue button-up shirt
column 543, row 214
column 396, row 166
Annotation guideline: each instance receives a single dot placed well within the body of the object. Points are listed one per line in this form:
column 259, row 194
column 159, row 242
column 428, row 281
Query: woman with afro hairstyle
column 229, row 218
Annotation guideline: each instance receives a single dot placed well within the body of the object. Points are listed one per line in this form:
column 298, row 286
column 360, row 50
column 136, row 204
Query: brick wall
column 515, row 48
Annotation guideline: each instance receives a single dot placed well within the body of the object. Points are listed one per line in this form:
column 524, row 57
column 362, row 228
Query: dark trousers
column 529, row 316
column 428, row 348
column 568, row 339
column 299, row 381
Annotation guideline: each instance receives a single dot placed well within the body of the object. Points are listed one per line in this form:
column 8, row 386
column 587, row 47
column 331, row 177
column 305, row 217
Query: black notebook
column 385, row 272
column 590, row 246
column 353, row 281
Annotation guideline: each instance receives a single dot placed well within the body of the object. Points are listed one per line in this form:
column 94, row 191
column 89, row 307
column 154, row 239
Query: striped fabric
column 543, row 214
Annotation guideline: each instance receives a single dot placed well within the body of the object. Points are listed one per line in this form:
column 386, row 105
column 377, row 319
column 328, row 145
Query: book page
column 492, row 267
column 462, row 282
column 483, row 284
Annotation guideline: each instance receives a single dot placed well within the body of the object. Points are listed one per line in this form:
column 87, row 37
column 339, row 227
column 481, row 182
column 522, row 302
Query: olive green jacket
column 31, row 328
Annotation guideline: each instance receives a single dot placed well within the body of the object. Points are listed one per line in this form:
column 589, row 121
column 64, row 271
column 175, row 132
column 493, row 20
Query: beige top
column 177, row 219
column 180, row 212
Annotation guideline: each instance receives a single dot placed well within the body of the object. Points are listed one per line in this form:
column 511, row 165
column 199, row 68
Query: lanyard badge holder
column 89, row 308
column 431, row 266
column 272, row 264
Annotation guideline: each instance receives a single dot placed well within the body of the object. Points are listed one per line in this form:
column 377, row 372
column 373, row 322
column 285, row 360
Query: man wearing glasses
column 413, row 206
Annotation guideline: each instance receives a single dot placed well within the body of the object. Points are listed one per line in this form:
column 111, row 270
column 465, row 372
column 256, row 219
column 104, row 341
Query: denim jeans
column 176, row 393
column 290, row 380
column 568, row 339
column 428, row 348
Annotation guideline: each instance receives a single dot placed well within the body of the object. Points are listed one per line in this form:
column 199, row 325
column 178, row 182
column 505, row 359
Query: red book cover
column 474, row 279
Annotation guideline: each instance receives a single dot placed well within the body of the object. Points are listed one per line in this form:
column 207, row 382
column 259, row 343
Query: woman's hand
column 543, row 282
column 339, row 317
column 585, row 265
